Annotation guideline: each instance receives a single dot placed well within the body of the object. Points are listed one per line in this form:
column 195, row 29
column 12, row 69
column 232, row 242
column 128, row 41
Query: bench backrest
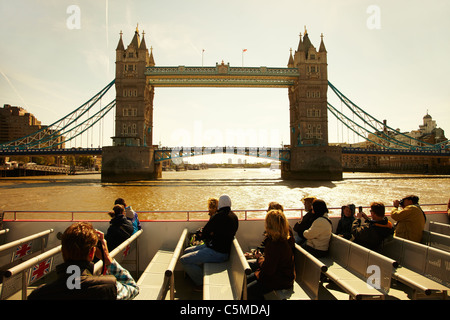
column 439, row 227
column 438, row 266
column 239, row 269
column 386, row 268
column 307, row 271
column 339, row 250
column 436, row 240
column 363, row 262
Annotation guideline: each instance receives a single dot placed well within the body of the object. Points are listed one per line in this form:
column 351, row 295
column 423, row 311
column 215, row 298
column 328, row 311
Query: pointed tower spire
column 291, row 60
column 143, row 46
column 151, row 61
column 300, row 44
column 306, row 42
column 322, row 45
column 120, row 44
column 136, row 41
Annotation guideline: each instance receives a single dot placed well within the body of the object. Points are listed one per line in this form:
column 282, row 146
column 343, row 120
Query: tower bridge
column 133, row 156
column 309, row 156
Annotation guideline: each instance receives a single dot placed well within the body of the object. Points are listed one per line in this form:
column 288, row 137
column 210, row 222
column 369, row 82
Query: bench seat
column 227, row 280
column 348, row 281
column 153, row 282
column 422, row 268
column 158, row 277
column 349, row 267
column 216, row 282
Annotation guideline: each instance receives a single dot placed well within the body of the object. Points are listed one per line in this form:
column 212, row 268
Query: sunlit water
column 189, row 191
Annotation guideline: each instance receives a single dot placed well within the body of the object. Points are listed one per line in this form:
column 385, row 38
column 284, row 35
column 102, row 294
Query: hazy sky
column 389, row 57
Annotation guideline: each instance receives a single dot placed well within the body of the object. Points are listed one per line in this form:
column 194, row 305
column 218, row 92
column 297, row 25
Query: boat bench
column 158, row 277
column 352, row 266
column 436, row 240
column 439, row 227
column 422, row 268
column 227, row 280
column 308, row 270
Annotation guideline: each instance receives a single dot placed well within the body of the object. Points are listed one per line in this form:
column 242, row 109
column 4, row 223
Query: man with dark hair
column 410, row 219
column 75, row 279
column 374, row 230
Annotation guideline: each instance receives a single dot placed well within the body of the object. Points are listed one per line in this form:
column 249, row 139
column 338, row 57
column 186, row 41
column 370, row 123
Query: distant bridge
column 276, row 154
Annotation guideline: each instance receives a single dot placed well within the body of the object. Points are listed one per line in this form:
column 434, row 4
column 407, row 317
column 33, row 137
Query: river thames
column 249, row 189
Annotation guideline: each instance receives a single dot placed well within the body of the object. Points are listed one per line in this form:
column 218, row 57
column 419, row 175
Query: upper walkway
column 222, row 75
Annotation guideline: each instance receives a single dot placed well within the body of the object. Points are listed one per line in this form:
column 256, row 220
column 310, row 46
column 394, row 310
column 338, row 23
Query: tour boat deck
column 158, row 234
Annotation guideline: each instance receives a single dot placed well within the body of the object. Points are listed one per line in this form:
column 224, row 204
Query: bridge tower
column 311, row 156
column 131, row 156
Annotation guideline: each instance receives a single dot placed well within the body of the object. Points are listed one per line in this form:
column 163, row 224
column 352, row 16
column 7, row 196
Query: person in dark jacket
column 276, row 267
column 75, row 279
column 130, row 214
column 217, row 235
column 374, row 230
column 344, row 227
column 306, row 221
column 120, row 228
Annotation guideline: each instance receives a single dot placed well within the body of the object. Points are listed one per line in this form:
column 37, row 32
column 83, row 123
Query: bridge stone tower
column 131, row 156
column 311, row 156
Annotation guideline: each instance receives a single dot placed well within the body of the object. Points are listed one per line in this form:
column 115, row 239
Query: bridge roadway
column 282, row 154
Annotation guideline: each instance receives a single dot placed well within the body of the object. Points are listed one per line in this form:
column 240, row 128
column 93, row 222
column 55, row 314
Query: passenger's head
column 377, row 210
column 213, row 204
column 118, row 209
column 78, row 242
column 307, row 202
column 120, row 201
column 224, row 201
column 277, row 226
column 275, row 206
column 348, row 210
column 409, row 200
column 319, row 207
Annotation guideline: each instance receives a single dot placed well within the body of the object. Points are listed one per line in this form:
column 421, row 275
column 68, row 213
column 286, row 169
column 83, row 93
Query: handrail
column 171, row 267
column 187, row 212
column 15, row 243
column 176, row 253
column 4, row 231
column 31, row 262
column 24, row 266
column 99, row 264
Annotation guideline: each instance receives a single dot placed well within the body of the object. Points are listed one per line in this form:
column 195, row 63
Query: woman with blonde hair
column 213, row 203
column 276, row 269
